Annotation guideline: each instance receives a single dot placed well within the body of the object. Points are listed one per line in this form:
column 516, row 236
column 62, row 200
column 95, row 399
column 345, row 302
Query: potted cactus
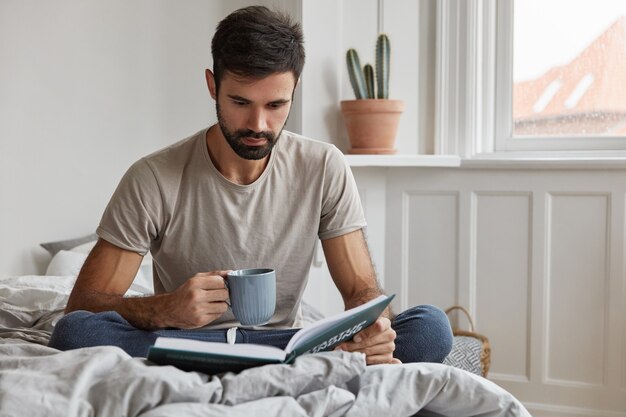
column 372, row 119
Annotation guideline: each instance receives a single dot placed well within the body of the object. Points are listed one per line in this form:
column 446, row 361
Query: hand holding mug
column 198, row 302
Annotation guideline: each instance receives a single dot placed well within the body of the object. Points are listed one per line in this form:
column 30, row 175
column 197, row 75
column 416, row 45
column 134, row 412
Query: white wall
column 86, row 88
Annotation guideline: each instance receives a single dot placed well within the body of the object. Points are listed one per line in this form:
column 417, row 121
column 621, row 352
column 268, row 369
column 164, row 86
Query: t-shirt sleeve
column 342, row 211
column 130, row 220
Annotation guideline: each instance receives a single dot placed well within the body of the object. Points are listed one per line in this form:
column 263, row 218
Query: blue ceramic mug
column 252, row 295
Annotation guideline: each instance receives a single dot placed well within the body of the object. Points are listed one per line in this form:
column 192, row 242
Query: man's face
column 252, row 113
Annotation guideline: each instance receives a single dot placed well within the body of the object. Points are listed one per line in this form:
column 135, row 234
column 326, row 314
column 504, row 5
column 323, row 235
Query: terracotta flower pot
column 372, row 124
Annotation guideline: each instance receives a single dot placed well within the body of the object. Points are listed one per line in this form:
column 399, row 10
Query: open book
column 212, row 358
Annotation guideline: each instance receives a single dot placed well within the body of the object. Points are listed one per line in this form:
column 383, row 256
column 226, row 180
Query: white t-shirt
column 176, row 204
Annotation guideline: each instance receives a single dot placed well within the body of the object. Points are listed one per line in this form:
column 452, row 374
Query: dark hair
column 255, row 42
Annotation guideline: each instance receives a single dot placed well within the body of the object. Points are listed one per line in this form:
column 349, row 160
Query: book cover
column 213, row 358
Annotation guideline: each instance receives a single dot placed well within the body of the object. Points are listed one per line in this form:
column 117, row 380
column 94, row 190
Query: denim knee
column 80, row 329
column 72, row 331
column 423, row 334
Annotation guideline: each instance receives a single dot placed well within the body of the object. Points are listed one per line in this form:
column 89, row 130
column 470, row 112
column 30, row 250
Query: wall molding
column 550, row 198
column 496, row 376
column 563, row 411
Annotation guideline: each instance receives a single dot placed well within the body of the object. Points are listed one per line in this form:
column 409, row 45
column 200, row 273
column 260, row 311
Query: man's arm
column 350, row 266
column 108, row 273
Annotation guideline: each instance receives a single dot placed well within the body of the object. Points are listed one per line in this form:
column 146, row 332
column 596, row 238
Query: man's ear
column 210, row 82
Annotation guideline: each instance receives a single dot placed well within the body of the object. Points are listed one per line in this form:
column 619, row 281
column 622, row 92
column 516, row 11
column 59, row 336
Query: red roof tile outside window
column 584, row 97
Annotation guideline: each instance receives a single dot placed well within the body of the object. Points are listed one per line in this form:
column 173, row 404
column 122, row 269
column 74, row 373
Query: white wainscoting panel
column 577, row 303
column 502, row 239
column 426, row 215
column 537, row 256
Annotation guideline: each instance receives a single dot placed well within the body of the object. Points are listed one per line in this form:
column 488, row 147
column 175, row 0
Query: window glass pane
column 569, row 68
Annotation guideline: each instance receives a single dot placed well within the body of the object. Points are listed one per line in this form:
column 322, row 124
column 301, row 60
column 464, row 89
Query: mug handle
column 228, row 288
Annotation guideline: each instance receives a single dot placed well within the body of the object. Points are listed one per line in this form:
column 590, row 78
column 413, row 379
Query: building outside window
column 569, row 69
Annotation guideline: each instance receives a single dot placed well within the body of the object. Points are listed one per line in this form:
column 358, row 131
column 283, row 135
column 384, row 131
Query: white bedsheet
column 104, row 381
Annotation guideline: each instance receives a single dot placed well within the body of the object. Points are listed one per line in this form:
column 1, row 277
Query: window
column 537, row 77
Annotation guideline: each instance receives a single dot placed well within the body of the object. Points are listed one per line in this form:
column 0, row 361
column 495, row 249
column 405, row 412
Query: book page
column 246, row 350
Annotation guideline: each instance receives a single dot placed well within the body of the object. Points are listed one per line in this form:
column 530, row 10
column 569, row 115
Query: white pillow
column 142, row 283
column 66, row 263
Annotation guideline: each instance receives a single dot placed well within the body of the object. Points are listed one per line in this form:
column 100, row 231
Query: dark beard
column 234, row 139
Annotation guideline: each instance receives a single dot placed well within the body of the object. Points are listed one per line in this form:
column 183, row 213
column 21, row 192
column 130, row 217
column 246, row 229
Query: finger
column 201, row 296
column 378, row 359
column 379, row 326
column 378, row 349
column 341, row 346
column 218, row 307
column 208, row 282
column 388, row 336
column 396, row 361
column 202, row 320
column 217, row 311
column 382, row 349
column 222, row 272
column 218, row 295
column 374, row 339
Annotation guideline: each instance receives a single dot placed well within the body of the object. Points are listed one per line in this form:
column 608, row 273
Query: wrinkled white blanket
column 104, row 381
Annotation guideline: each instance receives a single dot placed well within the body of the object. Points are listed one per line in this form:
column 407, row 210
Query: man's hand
column 198, row 302
column 107, row 274
column 376, row 341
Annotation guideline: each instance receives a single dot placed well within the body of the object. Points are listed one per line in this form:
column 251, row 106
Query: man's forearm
column 142, row 312
column 352, row 269
column 365, row 295
column 365, row 286
column 362, row 297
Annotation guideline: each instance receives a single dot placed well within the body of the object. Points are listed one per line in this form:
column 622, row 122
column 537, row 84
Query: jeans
column 423, row 334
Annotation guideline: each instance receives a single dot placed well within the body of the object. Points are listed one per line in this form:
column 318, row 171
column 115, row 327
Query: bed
column 36, row 380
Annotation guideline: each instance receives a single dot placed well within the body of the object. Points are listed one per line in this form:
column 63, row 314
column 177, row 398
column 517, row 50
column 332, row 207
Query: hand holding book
column 321, row 336
column 376, row 341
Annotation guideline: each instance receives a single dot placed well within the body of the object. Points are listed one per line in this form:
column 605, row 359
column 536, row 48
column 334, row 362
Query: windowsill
column 548, row 160
column 510, row 160
column 403, row 160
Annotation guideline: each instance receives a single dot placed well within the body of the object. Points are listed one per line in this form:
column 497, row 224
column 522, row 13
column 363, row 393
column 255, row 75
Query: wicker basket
column 469, row 345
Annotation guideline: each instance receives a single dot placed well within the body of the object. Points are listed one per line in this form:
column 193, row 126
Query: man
column 242, row 193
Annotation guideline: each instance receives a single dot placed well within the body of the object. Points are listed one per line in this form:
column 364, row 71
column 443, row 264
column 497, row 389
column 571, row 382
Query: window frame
column 475, row 87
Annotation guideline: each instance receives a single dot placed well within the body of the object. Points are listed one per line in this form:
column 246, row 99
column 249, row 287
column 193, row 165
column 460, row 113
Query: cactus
column 382, row 65
column 368, row 70
column 356, row 74
column 362, row 80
